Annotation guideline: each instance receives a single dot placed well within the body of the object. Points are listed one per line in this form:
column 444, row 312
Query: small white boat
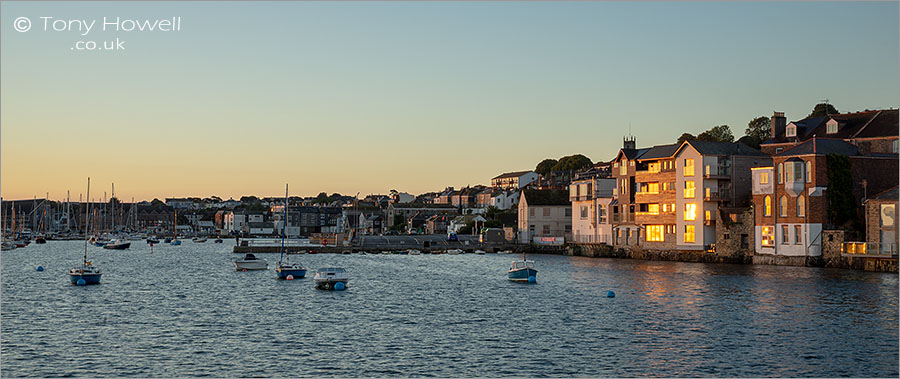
column 385, row 252
column 414, row 252
column 363, row 252
column 250, row 262
column 199, row 239
column 7, row 245
column 454, row 251
column 504, row 252
column 327, row 278
column 479, row 252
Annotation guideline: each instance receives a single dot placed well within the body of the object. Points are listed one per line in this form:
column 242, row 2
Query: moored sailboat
column 87, row 273
column 285, row 269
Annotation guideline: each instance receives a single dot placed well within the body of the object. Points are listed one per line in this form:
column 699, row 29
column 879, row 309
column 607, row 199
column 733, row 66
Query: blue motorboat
column 284, row 268
column 176, row 243
column 522, row 270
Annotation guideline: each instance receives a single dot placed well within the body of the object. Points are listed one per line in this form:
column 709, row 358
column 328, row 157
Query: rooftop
column 515, row 174
column 546, row 197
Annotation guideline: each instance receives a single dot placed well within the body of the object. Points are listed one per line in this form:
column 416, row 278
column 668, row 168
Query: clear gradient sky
column 366, row 97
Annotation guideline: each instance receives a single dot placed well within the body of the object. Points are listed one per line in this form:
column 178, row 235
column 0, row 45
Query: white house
column 457, row 223
column 590, row 210
column 544, row 213
column 514, row 180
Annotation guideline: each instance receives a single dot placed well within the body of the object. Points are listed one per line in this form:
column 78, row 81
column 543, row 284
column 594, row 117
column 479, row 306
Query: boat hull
column 297, row 274
column 118, row 246
column 251, row 265
column 175, row 243
column 329, row 284
column 88, row 278
column 522, row 274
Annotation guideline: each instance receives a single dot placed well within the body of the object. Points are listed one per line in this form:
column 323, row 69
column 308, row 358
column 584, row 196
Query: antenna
column 826, row 106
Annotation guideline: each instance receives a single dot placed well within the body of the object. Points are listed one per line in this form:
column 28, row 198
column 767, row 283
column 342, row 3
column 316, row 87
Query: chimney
column 628, row 143
column 778, row 124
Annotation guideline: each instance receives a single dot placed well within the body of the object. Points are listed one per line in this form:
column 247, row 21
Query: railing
column 716, row 196
column 869, row 249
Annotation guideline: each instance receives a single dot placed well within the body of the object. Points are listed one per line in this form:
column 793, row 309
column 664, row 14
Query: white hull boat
column 250, row 262
column 327, row 278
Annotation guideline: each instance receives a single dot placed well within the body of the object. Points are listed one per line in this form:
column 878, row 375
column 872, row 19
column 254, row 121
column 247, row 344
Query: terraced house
column 655, row 179
column 871, row 131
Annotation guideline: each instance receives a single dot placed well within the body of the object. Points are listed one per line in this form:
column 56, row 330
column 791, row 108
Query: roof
column 631, row 153
column 866, row 124
column 546, row 197
column 515, row 174
column 821, row 146
column 889, row 194
column 421, row 205
column 723, row 148
column 660, row 151
column 884, row 124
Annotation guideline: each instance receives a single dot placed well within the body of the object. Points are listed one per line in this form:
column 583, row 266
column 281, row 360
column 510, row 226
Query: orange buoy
column 289, row 277
column 244, row 270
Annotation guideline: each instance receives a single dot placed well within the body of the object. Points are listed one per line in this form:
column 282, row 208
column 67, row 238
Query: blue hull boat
column 88, row 278
column 297, row 274
column 176, row 243
column 521, row 275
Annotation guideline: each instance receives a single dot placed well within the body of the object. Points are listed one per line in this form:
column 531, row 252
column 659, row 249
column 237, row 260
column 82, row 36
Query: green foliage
column 686, row 137
column 545, row 166
column 823, row 109
column 758, row 130
column 491, row 212
column 573, row 162
column 399, row 223
column 839, row 194
column 721, row 133
column 157, row 203
column 256, row 207
column 322, row 198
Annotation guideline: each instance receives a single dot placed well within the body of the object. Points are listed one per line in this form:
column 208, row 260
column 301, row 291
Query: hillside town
column 818, row 191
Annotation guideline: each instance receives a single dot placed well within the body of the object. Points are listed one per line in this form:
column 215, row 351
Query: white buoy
column 289, row 277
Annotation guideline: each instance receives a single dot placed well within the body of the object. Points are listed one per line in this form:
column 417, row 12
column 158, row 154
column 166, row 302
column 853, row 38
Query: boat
column 479, row 252
column 218, row 240
column 199, row 239
column 152, row 240
column 522, row 270
column 40, row 240
column 414, row 252
column 87, row 273
column 284, row 268
column 504, row 252
column 385, row 252
column 175, row 241
column 346, row 252
column 327, row 278
column 118, row 244
column 250, row 262
column 8, row 245
column 167, row 240
column 454, row 251
column 363, row 252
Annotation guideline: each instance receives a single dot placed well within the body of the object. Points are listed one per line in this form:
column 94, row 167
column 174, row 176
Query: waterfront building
column 624, row 230
column 654, row 195
column 871, row 131
column 790, row 197
column 408, row 210
column 437, row 224
column 544, row 213
column 590, row 199
column 710, row 177
column 881, row 223
column 514, row 180
column 460, row 221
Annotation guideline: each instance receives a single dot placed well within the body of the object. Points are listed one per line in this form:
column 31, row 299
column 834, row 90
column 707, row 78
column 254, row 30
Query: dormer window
column 831, row 127
column 791, row 130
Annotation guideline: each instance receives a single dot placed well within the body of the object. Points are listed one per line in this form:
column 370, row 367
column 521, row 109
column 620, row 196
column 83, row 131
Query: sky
column 415, row 96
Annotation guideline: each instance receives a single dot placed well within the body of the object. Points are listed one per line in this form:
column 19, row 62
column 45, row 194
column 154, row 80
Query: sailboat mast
column 284, row 224
column 84, row 263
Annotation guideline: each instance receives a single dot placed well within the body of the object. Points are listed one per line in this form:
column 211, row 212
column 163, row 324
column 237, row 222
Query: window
column 778, row 150
column 791, row 131
column 831, row 128
column 763, row 178
column 584, row 212
column 690, row 212
column 784, row 235
column 798, row 172
column 546, row 230
column 768, row 205
column 665, row 208
column 808, row 171
column 531, row 211
column 602, row 212
column 568, row 229
column 546, row 211
column 653, row 209
column 568, row 212
column 798, row 236
column 653, row 188
column 782, row 206
column 623, row 169
column 801, row 206
column 780, row 173
column 688, row 167
column 888, row 214
column 653, row 168
column 689, row 189
column 745, row 241
column 767, row 237
column 894, row 147
column 688, row 233
column 708, row 216
column 655, row 233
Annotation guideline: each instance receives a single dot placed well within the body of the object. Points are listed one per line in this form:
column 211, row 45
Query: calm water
column 184, row 311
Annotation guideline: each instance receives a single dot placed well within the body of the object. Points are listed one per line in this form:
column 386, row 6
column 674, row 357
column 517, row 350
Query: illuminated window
column 764, row 178
column 688, row 233
column 785, row 237
column 808, row 171
column 665, row 208
column 708, row 216
column 801, row 206
column 689, row 189
column 767, row 237
column 688, row 167
column 653, row 168
column 782, row 206
column 780, row 173
column 655, row 233
column 653, row 209
column 652, row 187
column 584, row 212
column 768, row 205
column 623, row 169
column 690, row 212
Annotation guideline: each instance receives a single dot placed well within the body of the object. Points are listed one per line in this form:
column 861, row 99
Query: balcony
column 716, row 196
column 871, row 249
column 721, row 172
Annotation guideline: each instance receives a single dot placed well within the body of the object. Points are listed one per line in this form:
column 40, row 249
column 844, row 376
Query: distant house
column 881, row 223
column 437, row 224
column 591, row 199
column 409, row 210
column 514, row 180
column 871, row 131
column 260, row 228
column 179, row 203
column 544, row 213
column 459, row 222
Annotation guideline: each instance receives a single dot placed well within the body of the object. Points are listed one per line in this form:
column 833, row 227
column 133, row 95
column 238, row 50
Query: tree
column 823, row 109
column 721, row 133
column 573, row 162
column 758, row 130
column 322, row 198
column 491, row 212
column 839, row 193
column 545, row 166
column 686, row 137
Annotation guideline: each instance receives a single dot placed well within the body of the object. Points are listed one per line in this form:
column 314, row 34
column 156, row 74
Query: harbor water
column 183, row 311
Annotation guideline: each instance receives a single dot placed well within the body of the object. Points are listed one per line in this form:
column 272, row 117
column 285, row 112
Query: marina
column 442, row 315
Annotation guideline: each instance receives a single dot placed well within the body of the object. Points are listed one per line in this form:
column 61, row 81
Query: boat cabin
column 518, row 265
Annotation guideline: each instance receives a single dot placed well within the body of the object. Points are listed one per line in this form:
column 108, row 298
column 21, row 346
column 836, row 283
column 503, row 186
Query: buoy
column 610, row 294
column 244, row 270
column 532, row 279
column 289, row 277
column 80, row 282
column 339, row 286
column 40, row 268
